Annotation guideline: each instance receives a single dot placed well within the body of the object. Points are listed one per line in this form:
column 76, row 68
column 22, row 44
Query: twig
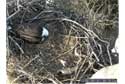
column 16, row 44
column 30, row 61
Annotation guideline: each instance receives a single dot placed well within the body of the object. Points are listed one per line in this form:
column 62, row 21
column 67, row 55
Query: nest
column 70, row 54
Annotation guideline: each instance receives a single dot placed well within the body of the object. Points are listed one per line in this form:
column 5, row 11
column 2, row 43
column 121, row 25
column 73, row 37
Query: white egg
column 110, row 72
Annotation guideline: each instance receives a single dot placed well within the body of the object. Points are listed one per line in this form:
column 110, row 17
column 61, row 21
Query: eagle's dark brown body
column 30, row 32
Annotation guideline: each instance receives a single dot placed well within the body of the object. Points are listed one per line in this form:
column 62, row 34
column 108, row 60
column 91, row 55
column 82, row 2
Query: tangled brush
column 72, row 52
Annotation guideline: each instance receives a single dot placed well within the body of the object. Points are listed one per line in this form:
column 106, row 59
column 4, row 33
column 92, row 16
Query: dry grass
column 76, row 48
